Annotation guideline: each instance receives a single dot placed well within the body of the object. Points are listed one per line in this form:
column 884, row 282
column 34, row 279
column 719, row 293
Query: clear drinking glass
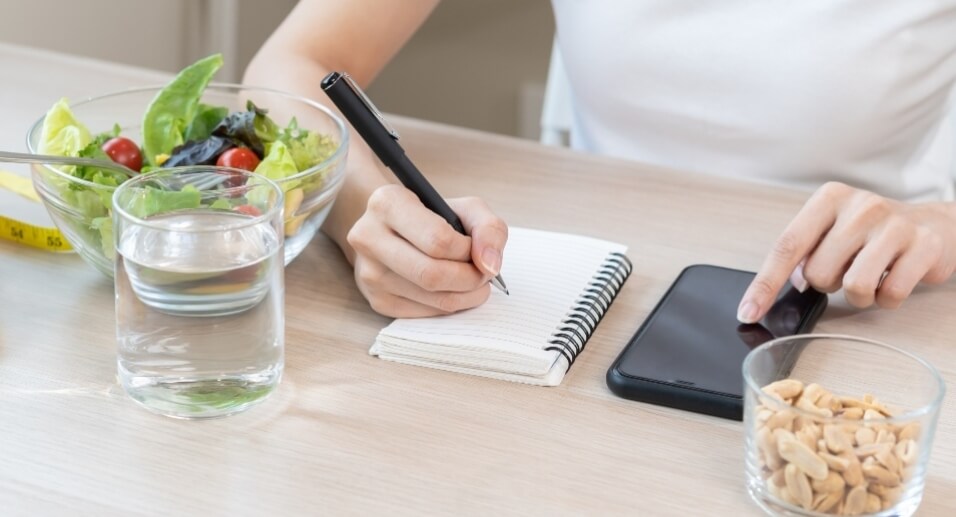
column 838, row 425
column 199, row 289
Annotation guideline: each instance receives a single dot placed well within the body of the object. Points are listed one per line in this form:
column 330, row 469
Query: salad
column 179, row 130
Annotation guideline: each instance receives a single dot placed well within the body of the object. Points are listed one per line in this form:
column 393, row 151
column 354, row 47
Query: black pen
column 383, row 139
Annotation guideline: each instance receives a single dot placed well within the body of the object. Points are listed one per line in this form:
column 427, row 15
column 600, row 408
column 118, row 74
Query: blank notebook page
column 506, row 337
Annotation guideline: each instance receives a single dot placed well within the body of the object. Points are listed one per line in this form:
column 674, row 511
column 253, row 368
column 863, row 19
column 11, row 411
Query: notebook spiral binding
column 573, row 333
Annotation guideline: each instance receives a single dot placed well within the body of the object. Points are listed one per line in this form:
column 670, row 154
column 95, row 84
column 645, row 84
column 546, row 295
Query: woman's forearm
column 301, row 75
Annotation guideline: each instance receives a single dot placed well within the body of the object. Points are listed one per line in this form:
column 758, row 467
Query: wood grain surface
column 349, row 434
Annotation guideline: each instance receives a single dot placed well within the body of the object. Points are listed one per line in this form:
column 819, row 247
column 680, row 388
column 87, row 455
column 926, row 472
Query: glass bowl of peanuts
column 838, row 425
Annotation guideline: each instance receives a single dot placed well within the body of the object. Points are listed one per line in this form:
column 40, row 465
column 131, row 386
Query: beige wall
column 138, row 32
column 164, row 35
column 469, row 65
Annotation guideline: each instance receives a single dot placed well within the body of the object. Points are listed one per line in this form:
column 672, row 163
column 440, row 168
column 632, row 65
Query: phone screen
column 693, row 338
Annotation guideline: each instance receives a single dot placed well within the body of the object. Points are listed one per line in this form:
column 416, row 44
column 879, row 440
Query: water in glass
column 199, row 312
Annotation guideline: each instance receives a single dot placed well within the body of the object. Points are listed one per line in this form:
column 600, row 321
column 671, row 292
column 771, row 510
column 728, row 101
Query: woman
column 848, row 97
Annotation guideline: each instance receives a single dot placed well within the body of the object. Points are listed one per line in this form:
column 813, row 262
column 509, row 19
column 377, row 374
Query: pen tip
column 500, row 284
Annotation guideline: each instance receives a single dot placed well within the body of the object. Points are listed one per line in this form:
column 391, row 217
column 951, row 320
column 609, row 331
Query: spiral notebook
column 561, row 286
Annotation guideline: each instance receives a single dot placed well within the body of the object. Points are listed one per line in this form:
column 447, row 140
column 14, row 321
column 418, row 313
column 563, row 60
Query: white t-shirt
column 789, row 91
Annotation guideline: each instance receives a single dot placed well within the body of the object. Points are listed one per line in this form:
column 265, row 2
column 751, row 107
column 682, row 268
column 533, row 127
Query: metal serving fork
column 200, row 180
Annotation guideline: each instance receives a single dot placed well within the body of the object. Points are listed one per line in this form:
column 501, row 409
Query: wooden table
column 347, row 433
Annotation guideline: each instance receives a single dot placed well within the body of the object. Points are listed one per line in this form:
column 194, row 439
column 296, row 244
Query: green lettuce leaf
column 148, row 201
column 94, row 150
column 311, row 150
column 221, row 204
column 173, row 109
column 62, row 134
column 308, row 148
column 104, row 225
column 265, row 128
column 206, row 119
column 278, row 164
column 87, row 202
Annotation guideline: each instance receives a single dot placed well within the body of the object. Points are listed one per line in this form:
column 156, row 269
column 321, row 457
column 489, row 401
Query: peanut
column 767, row 444
column 813, row 392
column 853, row 413
column 864, row 451
column 794, row 451
column 835, row 462
column 855, row 501
column 833, row 483
column 859, row 464
column 888, row 459
column 799, row 486
column 779, row 477
column 827, row 501
column 808, row 437
column 853, row 474
column 805, row 404
column 885, row 436
column 836, row 440
column 828, row 401
column 906, row 451
column 781, row 419
column 910, row 432
column 786, row 388
column 865, row 436
column 877, row 474
column 763, row 415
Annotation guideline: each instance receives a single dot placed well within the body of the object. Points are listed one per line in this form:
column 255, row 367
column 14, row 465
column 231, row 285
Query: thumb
column 488, row 232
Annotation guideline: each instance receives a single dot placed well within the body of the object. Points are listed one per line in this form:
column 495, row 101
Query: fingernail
column 491, row 260
column 747, row 313
column 797, row 280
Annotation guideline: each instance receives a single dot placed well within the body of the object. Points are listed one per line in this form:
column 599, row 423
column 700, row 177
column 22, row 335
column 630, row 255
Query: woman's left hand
column 875, row 248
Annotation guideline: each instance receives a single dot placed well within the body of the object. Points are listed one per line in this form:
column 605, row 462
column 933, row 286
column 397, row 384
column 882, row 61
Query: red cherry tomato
column 248, row 210
column 239, row 158
column 124, row 151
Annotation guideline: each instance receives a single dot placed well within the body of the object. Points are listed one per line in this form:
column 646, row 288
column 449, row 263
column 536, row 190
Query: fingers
column 399, row 209
column 800, row 237
column 824, row 268
column 489, row 233
column 797, row 279
column 409, row 262
column 875, row 248
column 395, row 306
column 392, row 295
column 863, row 277
column 398, row 256
column 912, row 266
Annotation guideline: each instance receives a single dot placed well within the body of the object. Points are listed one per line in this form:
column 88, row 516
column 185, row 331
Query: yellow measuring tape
column 42, row 237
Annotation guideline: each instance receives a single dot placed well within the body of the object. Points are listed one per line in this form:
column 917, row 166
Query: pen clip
column 368, row 104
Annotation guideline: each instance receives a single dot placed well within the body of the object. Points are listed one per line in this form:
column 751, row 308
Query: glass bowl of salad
column 294, row 141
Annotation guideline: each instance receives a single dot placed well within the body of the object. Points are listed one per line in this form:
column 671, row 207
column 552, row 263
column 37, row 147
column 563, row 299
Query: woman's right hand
column 409, row 262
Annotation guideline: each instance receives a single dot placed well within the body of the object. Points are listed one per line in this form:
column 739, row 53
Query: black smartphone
column 689, row 351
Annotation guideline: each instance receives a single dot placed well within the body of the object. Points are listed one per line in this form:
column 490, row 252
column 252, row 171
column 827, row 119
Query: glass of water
column 199, row 289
